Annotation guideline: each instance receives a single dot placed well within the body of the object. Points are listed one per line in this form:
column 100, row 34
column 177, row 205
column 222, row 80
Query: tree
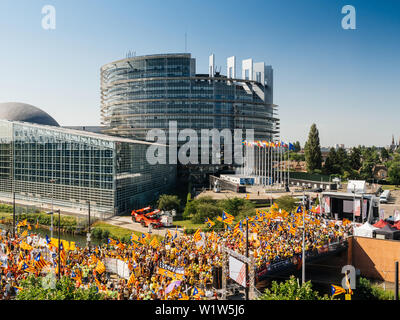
column 384, row 155
column 287, row 203
column 168, row 202
column 292, row 290
column 355, row 158
column 394, row 173
column 297, row 146
column 312, row 150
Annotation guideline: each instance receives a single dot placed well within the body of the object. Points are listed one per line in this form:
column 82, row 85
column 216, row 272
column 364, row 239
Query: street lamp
column 59, row 243
column 354, row 203
column 52, row 181
column 303, row 263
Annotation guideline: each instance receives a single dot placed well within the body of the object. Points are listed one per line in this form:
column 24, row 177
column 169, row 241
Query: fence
column 310, row 176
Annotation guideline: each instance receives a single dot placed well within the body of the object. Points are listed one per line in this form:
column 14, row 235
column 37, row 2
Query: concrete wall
column 374, row 257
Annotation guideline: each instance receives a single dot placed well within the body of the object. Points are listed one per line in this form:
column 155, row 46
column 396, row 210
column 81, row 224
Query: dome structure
column 16, row 111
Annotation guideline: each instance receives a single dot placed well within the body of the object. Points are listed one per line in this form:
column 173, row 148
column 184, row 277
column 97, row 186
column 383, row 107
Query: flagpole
column 247, row 255
column 59, row 245
column 303, row 264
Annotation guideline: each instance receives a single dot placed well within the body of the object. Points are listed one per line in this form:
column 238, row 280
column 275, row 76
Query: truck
column 147, row 216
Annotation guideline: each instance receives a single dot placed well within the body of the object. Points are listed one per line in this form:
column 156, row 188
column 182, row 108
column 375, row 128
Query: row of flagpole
column 266, row 161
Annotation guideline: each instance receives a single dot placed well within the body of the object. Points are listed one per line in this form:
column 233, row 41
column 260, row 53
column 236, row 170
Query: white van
column 384, row 197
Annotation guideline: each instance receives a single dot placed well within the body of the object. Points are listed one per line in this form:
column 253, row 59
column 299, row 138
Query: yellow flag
column 72, row 246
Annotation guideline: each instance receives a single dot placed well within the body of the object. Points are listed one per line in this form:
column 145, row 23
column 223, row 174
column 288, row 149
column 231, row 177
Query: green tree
column 355, row 158
column 292, row 290
column 297, row 146
column 287, row 203
column 168, row 202
column 312, row 150
column 384, row 155
column 394, row 173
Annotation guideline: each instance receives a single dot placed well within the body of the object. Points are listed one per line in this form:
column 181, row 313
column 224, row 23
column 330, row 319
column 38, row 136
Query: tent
column 387, row 232
column 397, row 225
column 366, row 230
column 380, row 224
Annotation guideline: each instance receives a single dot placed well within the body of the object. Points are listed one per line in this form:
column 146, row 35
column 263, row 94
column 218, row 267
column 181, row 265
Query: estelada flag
column 336, row 290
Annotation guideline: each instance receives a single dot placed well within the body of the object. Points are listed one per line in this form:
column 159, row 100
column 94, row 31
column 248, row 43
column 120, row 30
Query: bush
column 292, row 290
column 105, row 234
column 33, row 289
column 367, row 291
column 287, row 203
column 168, row 202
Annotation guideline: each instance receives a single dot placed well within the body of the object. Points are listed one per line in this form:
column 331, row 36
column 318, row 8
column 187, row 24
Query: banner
column 170, row 274
column 118, row 267
column 173, row 269
column 364, row 209
column 327, row 204
column 237, row 271
column 357, row 208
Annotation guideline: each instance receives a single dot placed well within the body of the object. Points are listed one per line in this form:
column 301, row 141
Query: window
column 258, row 76
column 246, row 74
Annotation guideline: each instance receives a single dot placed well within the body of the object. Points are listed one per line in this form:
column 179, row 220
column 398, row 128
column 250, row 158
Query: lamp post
column 303, row 263
column 13, row 232
column 247, row 255
column 52, row 181
column 59, row 244
column 88, row 235
column 354, row 204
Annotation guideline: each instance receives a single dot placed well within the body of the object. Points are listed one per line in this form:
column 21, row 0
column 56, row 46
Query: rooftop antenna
column 185, row 42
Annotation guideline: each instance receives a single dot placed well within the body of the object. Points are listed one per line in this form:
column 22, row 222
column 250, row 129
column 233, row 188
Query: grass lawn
column 188, row 224
column 390, row 187
column 119, row 232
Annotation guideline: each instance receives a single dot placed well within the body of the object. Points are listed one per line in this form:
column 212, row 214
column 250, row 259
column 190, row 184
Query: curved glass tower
column 146, row 92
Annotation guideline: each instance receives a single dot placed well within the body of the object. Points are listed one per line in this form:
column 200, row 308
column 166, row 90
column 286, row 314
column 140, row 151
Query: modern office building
column 49, row 164
column 145, row 92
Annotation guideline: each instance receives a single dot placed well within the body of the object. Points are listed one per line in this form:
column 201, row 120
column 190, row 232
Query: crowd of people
column 189, row 259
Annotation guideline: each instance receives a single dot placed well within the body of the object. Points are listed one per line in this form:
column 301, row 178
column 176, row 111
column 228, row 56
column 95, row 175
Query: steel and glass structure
column 145, row 92
column 110, row 172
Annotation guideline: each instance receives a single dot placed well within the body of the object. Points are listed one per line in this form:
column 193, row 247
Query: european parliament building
column 44, row 163
column 145, row 92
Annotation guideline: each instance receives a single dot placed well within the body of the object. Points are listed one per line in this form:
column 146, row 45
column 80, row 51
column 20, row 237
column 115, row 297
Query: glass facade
column 70, row 167
column 141, row 93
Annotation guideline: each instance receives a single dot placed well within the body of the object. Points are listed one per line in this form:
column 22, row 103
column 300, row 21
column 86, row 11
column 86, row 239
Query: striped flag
column 28, row 268
column 154, row 243
column 100, row 268
column 131, row 279
column 197, row 235
column 40, row 263
column 336, row 290
column 209, row 223
column 227, row 218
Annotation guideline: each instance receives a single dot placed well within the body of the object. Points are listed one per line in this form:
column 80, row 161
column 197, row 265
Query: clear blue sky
column 346, row 81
